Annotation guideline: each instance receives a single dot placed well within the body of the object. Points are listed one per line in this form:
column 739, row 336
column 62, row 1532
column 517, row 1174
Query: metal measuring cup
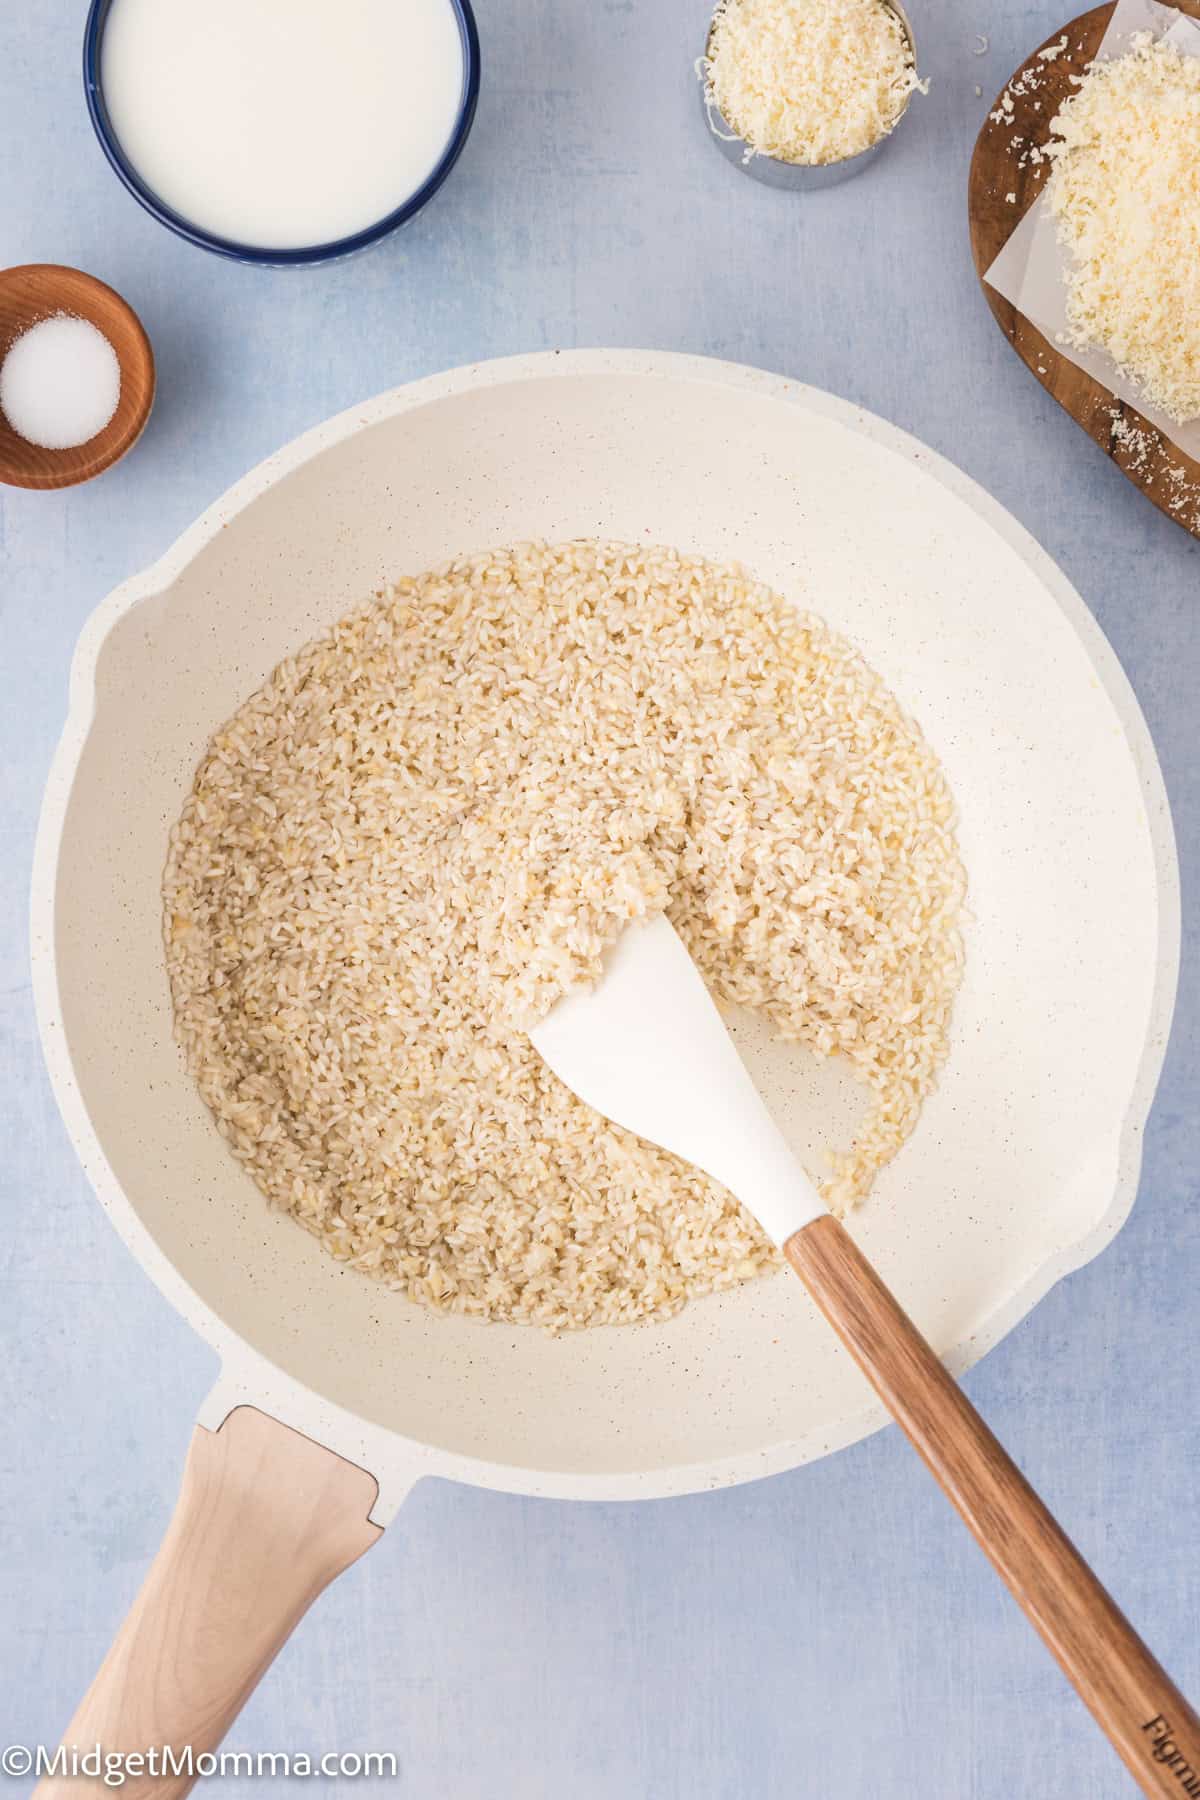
column 772, row 171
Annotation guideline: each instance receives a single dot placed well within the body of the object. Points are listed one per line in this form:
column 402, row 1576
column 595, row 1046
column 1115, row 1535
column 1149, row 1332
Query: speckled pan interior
column 1025, row 1161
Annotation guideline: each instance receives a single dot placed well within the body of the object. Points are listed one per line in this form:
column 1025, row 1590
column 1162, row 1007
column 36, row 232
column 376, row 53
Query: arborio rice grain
column 431, row 821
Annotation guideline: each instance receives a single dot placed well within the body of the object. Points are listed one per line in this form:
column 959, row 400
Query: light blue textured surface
column 830, row 1633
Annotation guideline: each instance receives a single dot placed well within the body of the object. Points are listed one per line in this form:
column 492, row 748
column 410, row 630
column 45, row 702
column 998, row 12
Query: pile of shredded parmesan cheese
column 809, row 81
column 1125, row 191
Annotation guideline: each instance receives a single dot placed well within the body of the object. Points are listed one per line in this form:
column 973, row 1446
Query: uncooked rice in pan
column 429, row 822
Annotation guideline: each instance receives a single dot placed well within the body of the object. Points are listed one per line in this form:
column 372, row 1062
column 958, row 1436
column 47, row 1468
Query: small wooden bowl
column 38, row 291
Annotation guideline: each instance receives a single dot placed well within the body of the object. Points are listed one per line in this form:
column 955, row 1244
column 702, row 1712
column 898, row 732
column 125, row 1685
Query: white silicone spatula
column 647, row 1048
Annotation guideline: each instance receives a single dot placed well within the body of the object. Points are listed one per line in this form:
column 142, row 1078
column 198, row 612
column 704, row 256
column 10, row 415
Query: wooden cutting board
column 1000, row 167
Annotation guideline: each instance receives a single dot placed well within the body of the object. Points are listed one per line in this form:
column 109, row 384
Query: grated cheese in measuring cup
column 809, row 81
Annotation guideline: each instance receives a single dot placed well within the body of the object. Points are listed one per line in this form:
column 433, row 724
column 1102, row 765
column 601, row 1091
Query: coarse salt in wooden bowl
column 37, row 291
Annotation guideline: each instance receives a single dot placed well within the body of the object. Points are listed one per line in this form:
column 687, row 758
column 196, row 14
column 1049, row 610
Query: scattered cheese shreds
column 809, row 81
column 1125, row 192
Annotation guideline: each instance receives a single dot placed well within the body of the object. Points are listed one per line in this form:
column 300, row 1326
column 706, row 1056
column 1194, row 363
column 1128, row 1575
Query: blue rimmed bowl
column 93, row 38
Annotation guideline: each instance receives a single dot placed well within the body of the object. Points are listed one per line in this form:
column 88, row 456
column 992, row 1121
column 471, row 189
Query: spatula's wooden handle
column 1151, row 1725
column 265, row 1520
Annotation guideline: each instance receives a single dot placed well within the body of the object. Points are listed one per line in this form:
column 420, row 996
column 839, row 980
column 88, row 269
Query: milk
column 282, row 123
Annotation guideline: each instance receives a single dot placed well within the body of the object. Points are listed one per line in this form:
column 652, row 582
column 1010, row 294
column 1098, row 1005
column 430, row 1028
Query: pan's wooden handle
column 1150, row 1724
column 265, row 1520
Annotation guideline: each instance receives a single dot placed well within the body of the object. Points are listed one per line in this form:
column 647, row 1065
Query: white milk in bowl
column 283, row 124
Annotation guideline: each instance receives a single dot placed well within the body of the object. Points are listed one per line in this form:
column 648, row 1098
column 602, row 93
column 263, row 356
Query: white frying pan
column 1025, row 1162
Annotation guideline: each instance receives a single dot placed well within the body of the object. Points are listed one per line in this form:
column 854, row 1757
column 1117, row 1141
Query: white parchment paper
column 1031, row 269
